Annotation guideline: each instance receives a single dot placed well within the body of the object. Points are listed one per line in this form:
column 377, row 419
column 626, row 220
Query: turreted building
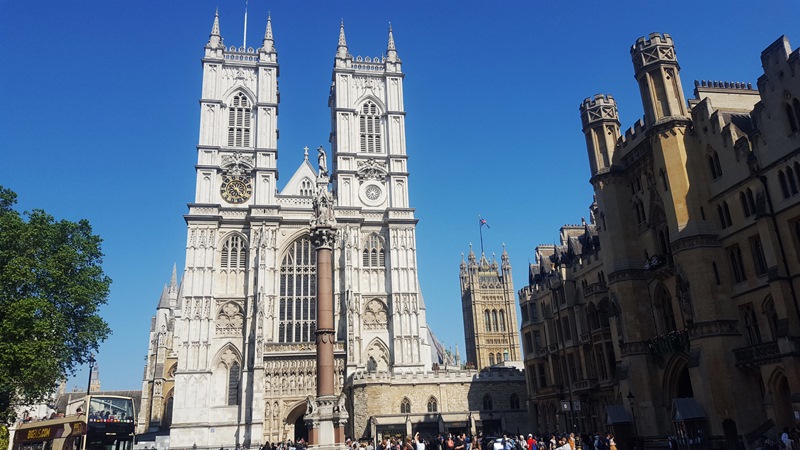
column 674, row 312
column 489, row 310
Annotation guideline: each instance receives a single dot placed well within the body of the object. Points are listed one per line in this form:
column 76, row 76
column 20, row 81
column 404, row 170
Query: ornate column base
column 326, row 418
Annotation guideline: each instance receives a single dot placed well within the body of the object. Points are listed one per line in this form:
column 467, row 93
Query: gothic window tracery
column 234, row 253
column 375, row 315
column 502, row 320
column 239, row 121
column 370, row 128
column 494, row 320
column 405, row 406
column 233, row 383
column 230, row 319
column 374, row 255
column 298, row 303
column 664, row 312
column 226, row 377
column 487, row 320
column 433, row 405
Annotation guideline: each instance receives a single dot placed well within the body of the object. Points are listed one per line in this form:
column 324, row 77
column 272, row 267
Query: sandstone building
column 231, row 358
column 674, row 312
column 489, row 310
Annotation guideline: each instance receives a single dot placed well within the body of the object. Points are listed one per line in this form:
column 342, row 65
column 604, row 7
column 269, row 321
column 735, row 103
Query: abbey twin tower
column 231, row 358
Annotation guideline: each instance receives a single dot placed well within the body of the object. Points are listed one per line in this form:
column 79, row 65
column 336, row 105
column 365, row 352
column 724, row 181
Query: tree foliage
column 51, row 288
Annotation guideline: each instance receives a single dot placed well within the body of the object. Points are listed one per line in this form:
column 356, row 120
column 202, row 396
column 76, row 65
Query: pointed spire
column 163, row 302
column 391, row 51
column 173, row 281
column 268, row 45
column 215, row 40
column 341, row 49
column 504, row 258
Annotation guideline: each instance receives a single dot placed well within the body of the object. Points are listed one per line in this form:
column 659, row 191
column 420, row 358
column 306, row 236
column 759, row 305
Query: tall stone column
column 326, row 415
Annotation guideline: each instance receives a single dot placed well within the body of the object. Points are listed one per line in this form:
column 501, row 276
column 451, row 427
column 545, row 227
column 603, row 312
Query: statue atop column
column 322, row 159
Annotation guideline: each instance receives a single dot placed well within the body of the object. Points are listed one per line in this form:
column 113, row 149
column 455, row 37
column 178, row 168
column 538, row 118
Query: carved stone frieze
column 371, row 170
column 714, row 328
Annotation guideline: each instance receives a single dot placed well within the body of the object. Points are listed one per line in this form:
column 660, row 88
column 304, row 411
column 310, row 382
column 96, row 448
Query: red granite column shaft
column 325, row 331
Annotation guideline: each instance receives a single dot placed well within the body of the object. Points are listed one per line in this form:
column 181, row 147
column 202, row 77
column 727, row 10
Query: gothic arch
column 663, row 313
column 370, row 98
column 779, row 394
column 225, row 253
column 294, row 420
column 225, row 375
column 677, row 382
column 377, row 356
column 232, row 91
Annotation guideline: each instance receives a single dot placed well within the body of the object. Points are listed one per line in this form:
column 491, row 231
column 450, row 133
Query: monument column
column 326, row 415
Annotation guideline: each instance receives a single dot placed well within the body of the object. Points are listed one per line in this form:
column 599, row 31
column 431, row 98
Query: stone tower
column 489, row 309
column 376, row 273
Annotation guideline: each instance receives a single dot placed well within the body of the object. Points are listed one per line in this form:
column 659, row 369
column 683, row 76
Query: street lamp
column 631, row 398
column 91, row 366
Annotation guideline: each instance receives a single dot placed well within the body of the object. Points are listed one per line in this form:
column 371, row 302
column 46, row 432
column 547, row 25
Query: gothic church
column 231, row 359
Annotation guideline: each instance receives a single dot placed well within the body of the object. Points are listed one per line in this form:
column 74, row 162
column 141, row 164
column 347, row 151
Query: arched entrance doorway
column 781, row 400
column 300, row 430
column 297, row 426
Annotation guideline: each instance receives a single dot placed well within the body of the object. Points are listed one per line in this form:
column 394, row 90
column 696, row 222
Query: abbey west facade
column 231, row 358
column 674, row 311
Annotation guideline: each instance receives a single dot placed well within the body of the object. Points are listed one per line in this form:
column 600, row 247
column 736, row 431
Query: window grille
column 298, row 292
column 370, row 128
column 239, row 121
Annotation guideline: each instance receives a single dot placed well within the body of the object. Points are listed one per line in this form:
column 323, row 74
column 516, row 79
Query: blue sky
column 100, row 118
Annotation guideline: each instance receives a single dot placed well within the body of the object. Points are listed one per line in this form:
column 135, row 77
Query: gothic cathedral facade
column 231, row 357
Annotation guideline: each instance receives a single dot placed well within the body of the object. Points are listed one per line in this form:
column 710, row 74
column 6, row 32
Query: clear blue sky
column 100, row 118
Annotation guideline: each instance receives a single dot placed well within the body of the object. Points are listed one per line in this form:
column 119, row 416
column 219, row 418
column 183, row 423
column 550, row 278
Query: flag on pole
column 483, row 222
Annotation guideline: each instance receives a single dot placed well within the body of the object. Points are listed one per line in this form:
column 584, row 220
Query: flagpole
column 480, row 229
column 244, row 38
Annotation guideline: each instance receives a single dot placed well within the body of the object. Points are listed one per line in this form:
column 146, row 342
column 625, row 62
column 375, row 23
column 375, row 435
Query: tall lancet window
column 298, row 293
column 234, row 253
column 239, row 121
column 373, row 255
column 370, row 128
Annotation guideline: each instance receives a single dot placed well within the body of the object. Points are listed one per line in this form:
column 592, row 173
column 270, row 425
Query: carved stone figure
column 322, row 159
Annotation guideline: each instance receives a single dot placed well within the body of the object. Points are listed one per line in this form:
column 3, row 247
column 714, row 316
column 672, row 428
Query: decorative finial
column 305, row 153
column 391, row 52
column 173, row 281
column 341, row 49
column 215, row 40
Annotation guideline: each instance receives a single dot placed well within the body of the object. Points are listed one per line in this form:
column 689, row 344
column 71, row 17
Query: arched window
column 487, row 320
column 487, row 402
column 751, row 201
column 502, row 320
column 664, row 312
column 306, row 188
column 239, row 121
column 514, row 401
column 772, row 317
column 794, row 121
column 373, row 255
column 491, row 359
column 405, row 406
column 494, row 320
column 792, row 180
column 727, row 212
column 370, row 128
column 298, row 293
column 745, row 206
column 751, row 331
column 722, row 223
column 782, row 182
column 714, row 166
column 505, row 355
column 234, row 253
column 433, row 405
column 233, row 383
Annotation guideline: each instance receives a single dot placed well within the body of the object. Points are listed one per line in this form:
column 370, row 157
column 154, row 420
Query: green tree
column 51, row 287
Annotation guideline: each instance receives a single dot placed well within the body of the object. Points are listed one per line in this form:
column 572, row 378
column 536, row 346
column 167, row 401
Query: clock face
column 372, row 192
column 236, row 189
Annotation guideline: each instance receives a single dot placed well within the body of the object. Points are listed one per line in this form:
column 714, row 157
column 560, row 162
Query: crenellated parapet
column 633, row 135
column 655, row 49
column 723, row 84
column 504, row 374
column 600, row 108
